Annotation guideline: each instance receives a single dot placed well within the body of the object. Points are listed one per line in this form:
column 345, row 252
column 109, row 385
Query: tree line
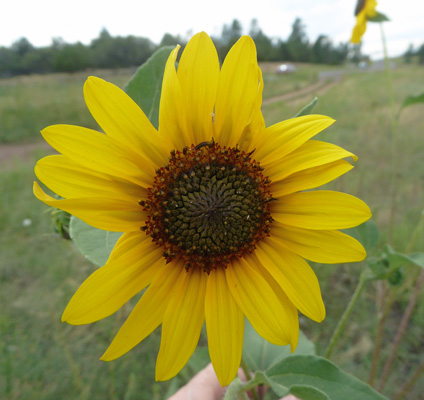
column 107, row 51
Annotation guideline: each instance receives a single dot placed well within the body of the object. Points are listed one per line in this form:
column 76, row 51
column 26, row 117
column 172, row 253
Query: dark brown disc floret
column 209, row 204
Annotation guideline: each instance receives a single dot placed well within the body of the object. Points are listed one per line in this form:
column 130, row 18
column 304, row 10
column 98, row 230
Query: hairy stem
column 246, row 371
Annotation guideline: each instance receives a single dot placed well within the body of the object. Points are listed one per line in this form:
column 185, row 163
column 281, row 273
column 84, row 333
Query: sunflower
column 364, row 9
column 216, row 210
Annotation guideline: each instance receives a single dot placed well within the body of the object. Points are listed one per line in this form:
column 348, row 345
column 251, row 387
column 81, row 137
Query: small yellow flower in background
column 364, row 9
column 216, row 210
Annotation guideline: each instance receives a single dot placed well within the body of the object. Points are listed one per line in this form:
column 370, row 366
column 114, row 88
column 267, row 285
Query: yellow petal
column 291, row 317
column 148, row 313
column 122, row 119
column 310, row 178
column 258, row 302
column 328, row 247
column 198, row 74
column 99, row 152
column 321, row 209
column 311, row 154
column 360, row 28
column 172, row 113
column 237, row 94
column 69, row 179
column 103, row 213
column 131, row 267
column 225, row 327
column 281, row 139
column 294, row 276
column 182, row 323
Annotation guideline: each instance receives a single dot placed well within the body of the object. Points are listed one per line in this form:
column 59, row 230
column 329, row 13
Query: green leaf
column 261, row 355
column 146, row 84
column 306, row 392
column 410, row 100
column 367, row 234
column 379, row 17
column 397, row 259
column 306, row 373
column 308, row 108
column 94, row 244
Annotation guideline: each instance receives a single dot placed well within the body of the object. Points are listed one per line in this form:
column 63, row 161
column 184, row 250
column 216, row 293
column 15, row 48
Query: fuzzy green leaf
column 146, row 84
column 397, row 259
column 379, row 17
column 306, row 392
column 261, row 355
column 308, row 108
column 306, row 375
column 94, row 244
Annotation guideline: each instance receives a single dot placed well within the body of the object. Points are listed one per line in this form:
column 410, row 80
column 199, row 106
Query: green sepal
column 61, row 220
column 146, row 84
column 308, row 108
column 94, row 244
column 379, row 17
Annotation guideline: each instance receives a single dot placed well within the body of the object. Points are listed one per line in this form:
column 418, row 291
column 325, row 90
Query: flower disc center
column 208, row 205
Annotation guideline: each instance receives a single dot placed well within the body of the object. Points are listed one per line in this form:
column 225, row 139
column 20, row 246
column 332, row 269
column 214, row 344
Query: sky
column 82, row 20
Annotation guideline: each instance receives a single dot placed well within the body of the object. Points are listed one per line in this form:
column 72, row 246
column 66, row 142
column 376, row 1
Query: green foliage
column 391, row 265
column 146, row 84
column 314, row 378
column 94, row 244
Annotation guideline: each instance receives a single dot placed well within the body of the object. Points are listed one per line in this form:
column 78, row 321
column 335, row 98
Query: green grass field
column 41, row 358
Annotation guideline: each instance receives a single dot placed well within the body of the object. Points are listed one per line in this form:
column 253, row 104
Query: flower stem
column 342, row 322
column 246, row 371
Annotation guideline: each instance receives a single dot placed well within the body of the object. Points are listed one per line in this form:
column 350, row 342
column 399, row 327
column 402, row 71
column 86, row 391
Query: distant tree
column 230, row 34
column 298, row 43
column 321, row 49
column 169, row 40
column 8, row 62
column 264, row 47
column 72, row 58
column 22, row 46
column 407, row 57
column 114, row 52
column 420, row 54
